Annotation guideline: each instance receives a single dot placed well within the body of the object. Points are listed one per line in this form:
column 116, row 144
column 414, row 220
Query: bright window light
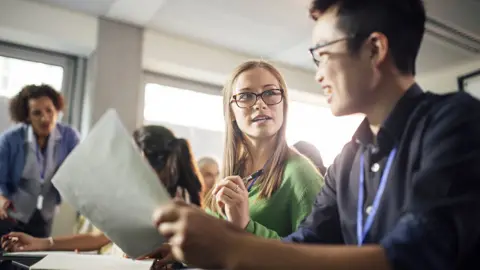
column 16, row 73
column 318, row 126
column 183, row 107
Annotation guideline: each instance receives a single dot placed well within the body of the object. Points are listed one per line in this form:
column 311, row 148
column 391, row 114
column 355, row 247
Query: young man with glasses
column 403, row 194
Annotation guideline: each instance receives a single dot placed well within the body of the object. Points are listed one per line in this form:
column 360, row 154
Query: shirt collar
column 395, row 122
column 31, row 136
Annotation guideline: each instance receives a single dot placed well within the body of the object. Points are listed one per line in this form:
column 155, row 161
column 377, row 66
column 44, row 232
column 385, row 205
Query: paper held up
column 109, row 182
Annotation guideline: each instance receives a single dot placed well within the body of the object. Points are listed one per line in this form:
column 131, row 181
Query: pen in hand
column 252, row 176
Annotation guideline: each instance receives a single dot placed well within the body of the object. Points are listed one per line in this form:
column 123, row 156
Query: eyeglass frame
column 282, row 96
column 321, row 45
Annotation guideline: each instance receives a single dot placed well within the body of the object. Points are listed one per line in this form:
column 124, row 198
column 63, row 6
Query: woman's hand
column 17, row 241
column 232, row 195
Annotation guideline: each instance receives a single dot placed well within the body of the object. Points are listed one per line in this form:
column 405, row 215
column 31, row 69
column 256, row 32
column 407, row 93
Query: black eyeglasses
column 249, row 99
column 322, row 59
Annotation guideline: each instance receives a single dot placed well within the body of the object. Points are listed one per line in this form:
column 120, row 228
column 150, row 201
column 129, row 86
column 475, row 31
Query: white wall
column 44, row 26
column 178, row 57
column 35, row 24
column 445, row 80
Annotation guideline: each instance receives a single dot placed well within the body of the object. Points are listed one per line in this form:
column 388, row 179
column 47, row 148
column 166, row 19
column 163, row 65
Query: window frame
column 172, row 81
column 69, row 63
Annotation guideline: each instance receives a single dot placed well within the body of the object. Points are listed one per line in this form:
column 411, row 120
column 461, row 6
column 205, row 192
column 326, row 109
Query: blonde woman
column 268, row 188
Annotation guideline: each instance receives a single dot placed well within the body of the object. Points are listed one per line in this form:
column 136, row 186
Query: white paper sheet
column 64, row 261
column 107, row 180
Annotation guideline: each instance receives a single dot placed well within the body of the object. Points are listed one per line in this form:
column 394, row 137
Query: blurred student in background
column 311, row 152
column 209, row 169
column 30, row 153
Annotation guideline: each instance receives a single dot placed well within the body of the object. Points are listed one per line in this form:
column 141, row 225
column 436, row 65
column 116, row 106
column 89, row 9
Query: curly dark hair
column 19, row 103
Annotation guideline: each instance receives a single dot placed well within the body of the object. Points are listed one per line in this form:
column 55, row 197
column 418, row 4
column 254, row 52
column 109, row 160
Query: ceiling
column 279, row 30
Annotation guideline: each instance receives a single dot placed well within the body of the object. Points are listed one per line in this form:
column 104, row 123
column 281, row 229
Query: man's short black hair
column 401, row 21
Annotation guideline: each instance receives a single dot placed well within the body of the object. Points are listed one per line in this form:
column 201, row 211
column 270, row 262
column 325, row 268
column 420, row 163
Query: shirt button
column 368, row 210
column 375, row 167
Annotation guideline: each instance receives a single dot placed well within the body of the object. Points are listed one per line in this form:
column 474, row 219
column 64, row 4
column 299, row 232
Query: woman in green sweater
column 269, row 188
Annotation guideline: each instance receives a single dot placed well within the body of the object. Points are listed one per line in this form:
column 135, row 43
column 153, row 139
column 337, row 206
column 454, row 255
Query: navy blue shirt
column 429, row 214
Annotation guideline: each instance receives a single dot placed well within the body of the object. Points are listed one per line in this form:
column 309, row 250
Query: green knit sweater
column 280, row 215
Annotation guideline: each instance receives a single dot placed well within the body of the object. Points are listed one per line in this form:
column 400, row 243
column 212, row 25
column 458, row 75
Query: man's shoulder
column 460, row 102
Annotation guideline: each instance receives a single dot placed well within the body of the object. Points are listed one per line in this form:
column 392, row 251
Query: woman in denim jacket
column 30, row 153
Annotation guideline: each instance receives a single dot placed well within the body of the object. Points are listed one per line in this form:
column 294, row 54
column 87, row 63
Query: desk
column 18, row 262
column 69, row 261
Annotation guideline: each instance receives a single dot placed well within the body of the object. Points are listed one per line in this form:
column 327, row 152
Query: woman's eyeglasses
column 249, row 99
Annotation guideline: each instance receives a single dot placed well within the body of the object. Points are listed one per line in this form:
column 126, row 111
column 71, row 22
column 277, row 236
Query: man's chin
column 341, row 110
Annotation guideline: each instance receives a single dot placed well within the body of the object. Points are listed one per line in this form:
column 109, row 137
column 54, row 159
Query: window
column 198, row 117
column 471, row 83
column 192, row 115
column 318, row 126
column 21, row 65
column 183, row 107
column 17, row 73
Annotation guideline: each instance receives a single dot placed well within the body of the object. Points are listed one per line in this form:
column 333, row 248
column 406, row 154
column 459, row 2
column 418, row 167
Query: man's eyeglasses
column 321, row 59
column 249, row 99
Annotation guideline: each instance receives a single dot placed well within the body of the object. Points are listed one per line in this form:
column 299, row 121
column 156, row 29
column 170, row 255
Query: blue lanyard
column 362, row 230
column 254, row 177
column 42, row 165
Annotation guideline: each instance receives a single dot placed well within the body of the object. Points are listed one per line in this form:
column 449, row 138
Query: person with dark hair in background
column 172, row 160
column 311, row 152
column 30, row 153
column 403, row 194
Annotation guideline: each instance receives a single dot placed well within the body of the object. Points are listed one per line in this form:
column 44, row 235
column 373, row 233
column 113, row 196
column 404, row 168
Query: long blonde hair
column 236, row 153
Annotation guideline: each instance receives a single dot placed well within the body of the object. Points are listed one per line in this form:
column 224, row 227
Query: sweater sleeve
column 305, row 182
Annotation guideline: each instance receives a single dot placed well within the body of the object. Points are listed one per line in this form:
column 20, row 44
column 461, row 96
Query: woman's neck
column 41, row 141
column 261, row 151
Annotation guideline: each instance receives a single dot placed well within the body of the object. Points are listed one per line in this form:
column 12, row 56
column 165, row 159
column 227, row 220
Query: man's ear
column 378, row 45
